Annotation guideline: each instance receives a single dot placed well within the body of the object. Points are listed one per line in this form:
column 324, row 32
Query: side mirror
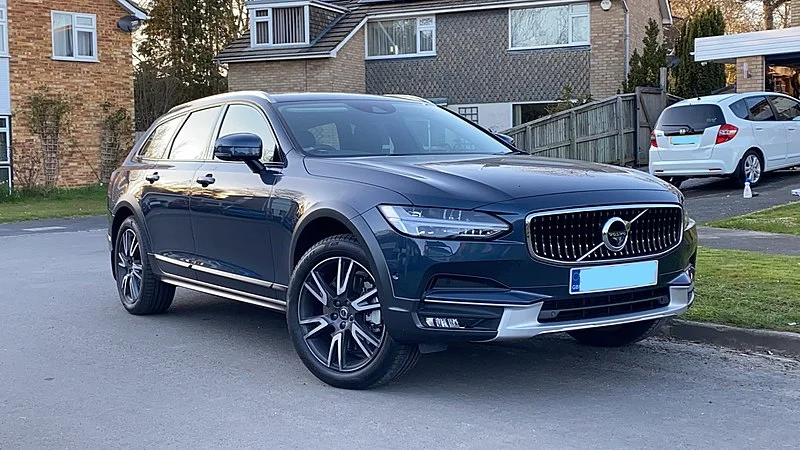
column 505, row 138
column 245, row 147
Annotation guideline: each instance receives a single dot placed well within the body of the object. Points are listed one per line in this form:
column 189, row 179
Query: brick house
column 497, row 62
column 765, row 60
column 70, row 47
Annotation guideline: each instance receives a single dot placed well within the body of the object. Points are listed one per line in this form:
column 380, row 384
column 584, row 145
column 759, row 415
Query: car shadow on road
column 547, row 367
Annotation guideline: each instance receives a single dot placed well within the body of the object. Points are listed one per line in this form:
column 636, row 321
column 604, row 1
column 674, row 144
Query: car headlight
column 442, row 223
column 687, row 221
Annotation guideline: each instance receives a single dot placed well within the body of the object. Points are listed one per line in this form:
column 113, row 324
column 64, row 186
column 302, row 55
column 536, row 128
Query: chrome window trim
column 220, row 273
column 531, row 216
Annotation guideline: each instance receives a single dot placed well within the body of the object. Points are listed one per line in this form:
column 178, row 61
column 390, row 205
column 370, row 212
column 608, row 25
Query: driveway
column 717, row 198
column 76, row 371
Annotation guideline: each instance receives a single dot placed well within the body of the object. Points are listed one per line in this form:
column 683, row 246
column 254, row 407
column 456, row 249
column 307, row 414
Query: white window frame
column 461, row 110
column 4, row 24
column 254, row 20
column 7, row 164
column 572, row 15
column 419, row 29
column 75, row 30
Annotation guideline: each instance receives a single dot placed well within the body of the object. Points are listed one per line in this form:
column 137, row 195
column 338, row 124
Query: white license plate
column 613, row 277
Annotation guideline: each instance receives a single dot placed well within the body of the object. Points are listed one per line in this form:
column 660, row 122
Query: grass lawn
column 746, row 289
column 88, row 201
column 780, row 219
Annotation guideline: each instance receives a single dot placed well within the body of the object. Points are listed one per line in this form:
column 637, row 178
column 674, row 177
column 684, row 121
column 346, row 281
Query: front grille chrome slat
column 567, row 236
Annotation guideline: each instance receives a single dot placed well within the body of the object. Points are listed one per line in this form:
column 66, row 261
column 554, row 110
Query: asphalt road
column 76, row 371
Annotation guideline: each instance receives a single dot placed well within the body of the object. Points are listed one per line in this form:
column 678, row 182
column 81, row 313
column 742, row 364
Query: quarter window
column 245, row 119
column 550, row 26
column 403, row 37
column 74, row 36
column 740, row 109
column 760, row 109
column 192, row 141
column 158, row 142
column 786, row 108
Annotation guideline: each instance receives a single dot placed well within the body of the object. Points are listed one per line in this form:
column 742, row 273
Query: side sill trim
column 232, row 294
column 220, row 273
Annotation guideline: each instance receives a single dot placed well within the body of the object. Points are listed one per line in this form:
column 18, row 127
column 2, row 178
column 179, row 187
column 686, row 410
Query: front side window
column 760, row 109
column 550, row 26
column 382, row 128
column 279, row 26
column 403, row 37
column 786, row 108
column 74, row 36
column 192, row 141
column 158, row 142
column 246, row 119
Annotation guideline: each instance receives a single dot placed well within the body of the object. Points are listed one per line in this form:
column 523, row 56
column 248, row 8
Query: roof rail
column 228, row 95
column 410, row 97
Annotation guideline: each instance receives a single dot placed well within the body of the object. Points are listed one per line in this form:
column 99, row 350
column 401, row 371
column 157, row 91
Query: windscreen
column 693, row 119
column 383, row 127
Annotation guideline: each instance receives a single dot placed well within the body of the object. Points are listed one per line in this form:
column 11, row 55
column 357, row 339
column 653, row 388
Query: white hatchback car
column 738, row 135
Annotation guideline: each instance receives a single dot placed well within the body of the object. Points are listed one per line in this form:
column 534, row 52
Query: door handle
column 153, row 177
column 206, row 180
column 759, row 128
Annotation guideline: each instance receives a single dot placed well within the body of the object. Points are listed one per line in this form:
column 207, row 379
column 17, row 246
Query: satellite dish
column 129, row 24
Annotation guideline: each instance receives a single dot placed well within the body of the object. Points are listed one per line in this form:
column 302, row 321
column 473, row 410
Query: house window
column 74, row 36
column 551, row 26
column 3, row 30
column 279, row 26
column 403, row 37
column 469, row 113
column 5, row 155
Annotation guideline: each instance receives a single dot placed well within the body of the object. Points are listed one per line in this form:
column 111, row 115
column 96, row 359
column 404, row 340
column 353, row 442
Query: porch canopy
column 772, row 44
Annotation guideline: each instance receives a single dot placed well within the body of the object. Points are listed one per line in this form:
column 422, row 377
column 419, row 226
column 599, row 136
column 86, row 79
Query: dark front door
column 229, row 215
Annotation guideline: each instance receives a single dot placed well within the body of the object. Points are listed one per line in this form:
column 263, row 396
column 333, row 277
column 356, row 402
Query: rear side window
column 740, row 109
column 787, row 108
column 157, row 143
column 691, row 118
column 760, row 109
column 193, row 139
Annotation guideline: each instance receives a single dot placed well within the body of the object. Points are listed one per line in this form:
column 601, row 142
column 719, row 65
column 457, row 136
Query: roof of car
column 720, row 98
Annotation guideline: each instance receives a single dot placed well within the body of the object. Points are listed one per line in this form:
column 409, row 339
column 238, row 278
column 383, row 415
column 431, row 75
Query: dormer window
column 279, row 26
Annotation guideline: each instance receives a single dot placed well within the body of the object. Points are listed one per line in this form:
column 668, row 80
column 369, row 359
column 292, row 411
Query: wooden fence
column 613, row 131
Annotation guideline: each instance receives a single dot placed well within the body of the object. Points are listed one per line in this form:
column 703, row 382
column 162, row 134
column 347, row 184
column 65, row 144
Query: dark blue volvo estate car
column 387, row 227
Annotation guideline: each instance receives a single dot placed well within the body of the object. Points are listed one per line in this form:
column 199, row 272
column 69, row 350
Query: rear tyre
column 334, row 318
column 750, row 166
column 617, row 335
column 140, row 291
column 675, row 181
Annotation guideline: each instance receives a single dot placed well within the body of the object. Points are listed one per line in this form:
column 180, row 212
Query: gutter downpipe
column 627, row 39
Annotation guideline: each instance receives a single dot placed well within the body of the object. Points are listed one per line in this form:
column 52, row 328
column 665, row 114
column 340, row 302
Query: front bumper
column 497, row 291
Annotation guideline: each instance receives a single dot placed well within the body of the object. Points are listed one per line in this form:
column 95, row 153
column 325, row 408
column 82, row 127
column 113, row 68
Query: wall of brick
column 608, row 41
column 88, row 84
column 473, row 65
column 755, row 67
column 344, row 73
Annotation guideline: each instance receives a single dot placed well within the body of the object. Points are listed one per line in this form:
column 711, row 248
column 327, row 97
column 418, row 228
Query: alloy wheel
column 340, row 314
column 752, row 168
column 129, row 266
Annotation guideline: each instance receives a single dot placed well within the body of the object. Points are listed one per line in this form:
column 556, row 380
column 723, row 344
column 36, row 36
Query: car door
column 788, row 112
column 164, row 199
column 769, row 133
column 229, row 216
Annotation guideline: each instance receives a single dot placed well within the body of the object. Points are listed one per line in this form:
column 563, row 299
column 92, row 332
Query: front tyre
column 140, row 291
column 617, row 335
column 334, row 318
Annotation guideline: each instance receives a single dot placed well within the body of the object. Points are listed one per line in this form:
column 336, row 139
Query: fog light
column 442, row 322
column 691, row 272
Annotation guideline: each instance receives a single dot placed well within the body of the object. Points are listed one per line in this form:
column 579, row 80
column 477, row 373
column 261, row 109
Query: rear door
column 769, row 133
column 788, row 111
column 688, row 132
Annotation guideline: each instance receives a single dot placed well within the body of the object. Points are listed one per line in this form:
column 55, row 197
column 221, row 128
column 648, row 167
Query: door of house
column 5, row 153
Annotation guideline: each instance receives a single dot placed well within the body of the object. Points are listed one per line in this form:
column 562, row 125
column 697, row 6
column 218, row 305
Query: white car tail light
column 726, row 133
column 653, row 140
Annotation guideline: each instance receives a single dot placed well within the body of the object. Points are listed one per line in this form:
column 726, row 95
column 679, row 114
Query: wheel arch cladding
column 323, row 225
